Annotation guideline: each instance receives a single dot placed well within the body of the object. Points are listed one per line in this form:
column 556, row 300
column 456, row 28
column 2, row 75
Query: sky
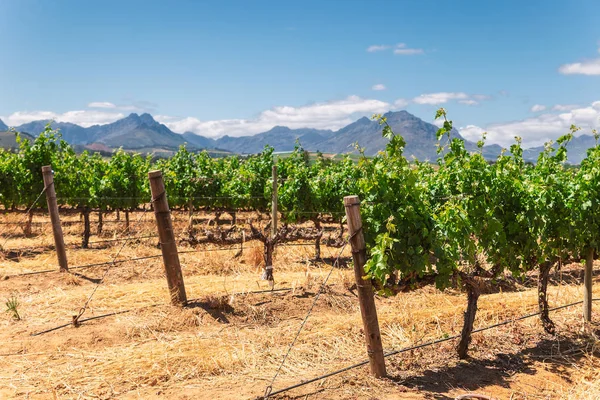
column 527, row 68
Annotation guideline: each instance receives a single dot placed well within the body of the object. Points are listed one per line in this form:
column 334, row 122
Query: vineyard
column 267, row 260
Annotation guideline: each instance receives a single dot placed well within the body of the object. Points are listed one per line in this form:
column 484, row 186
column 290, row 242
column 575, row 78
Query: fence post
column 168, row 245
column 587, row 283
column 274, row 204
column 364, row 288
column 59, row 241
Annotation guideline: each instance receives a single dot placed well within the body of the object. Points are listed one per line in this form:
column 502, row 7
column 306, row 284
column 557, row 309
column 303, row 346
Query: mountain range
column 143, row 133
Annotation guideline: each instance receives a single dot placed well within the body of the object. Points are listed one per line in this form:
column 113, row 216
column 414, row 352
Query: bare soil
column 228, row 343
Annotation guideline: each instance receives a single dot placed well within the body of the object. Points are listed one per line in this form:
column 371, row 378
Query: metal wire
column 28, row 210
column 141, row 308
column 269, row 388
column 420, row 346
column 83, row 309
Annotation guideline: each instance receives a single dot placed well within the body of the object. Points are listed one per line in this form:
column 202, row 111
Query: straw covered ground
column 227, row 343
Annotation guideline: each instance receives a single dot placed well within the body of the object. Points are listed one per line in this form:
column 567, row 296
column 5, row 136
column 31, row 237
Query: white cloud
column 564, row 107
column 400, row 49
column 471, row 132
column 326, row 115
column 83, row 118
column 408, row 52
column 377, row 47
column 587, row 67
column 444, row 97
column 537, row 130
column 590, row 67
column 101, row 104
column 379, row 86
column 440, row 97
column 538, row 108
column 401, row 103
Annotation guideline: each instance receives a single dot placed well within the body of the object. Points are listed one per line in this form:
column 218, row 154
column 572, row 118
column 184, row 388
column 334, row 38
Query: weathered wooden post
column 59, row 241
column 587, row 284
column 366, row 298
column 166, row 236
column 274, row 204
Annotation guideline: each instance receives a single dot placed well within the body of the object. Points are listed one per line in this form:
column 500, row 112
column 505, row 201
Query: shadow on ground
column 557, row 353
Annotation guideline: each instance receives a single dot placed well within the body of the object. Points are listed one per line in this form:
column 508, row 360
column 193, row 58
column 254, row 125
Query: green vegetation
column 462, row 220
column 12, row 307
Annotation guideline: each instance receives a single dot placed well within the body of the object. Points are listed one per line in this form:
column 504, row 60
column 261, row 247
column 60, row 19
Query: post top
column 155, row 174
column 47, row 168
column 351, row 201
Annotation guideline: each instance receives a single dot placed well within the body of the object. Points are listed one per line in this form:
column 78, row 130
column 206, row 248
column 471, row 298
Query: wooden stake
column 59, row 241
column 168, row 245
column 274, row 204
column 587, row 286
column 364, row 288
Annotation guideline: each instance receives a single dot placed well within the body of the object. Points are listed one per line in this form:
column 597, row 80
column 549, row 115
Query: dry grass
column 227, row 344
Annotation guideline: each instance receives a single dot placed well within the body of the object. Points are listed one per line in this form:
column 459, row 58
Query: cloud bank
column 537, row 130
column 326, row 115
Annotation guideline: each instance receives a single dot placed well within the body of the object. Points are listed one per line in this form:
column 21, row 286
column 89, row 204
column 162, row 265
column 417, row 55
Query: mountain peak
column 401, row 115
column 147, row 119
column 3, row 126
column 279, row 129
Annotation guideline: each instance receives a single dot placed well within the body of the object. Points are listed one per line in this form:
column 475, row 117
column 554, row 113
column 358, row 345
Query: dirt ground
column 228, row 343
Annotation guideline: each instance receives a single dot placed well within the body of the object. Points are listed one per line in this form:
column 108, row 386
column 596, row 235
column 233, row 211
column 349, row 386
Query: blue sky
column 241, row 67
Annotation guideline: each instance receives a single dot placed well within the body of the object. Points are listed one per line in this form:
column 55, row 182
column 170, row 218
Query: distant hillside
column 143, row 133
column 74, row 134
column 8, row 139
column 3, row 127
column 576, row 149
column 135, row 132
column 280, row 137
column 132, row 132
column 420, row 137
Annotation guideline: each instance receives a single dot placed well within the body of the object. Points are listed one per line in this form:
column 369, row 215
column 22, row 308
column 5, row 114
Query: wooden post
column 168, row 245
column 587, row 283
column 59, row 241
column 364, row 288
column 274, row 204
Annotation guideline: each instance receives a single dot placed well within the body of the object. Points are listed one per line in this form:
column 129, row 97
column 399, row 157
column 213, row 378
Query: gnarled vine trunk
column 473, row 292
column 318, row 238
column 127, row 221
column 27, row 229
column 100, row 222
column 190, row 228
column 269, row 245
column 85, row 240
column 543, row 297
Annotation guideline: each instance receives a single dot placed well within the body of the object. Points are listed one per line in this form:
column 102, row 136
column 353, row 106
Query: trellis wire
column 144, row 307
column 269, row 388
column 28, row 210
column 415, row 347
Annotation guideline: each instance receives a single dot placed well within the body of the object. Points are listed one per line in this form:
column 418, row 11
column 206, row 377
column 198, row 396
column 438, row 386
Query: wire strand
column 269, row 388
column 415, row 347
